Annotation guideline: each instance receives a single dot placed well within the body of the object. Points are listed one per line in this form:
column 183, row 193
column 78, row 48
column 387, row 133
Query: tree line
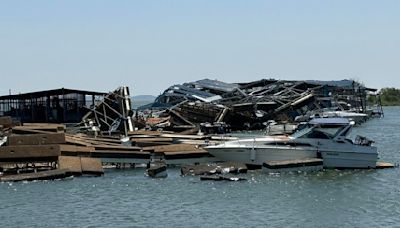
column 389, row 97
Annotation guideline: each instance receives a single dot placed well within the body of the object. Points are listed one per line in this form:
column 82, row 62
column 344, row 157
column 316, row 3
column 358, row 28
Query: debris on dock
column 210, row 169
column 104, row 130
column 113, row 114
column 211, row 105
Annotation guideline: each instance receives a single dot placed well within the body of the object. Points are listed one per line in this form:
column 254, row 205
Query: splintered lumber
column 73, row 164
column 98, row 140
column 36, row 139
column 29, row 153
column 92, row 166
column 74, row 141
column 87, row 141
column 25, row 130
column 44, row 175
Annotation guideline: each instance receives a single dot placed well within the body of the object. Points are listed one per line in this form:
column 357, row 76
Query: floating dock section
column 44, row 175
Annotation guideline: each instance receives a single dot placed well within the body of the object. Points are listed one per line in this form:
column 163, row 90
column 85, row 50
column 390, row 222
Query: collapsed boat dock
column 103, row 129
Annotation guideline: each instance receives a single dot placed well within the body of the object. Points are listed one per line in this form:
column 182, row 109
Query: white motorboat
column 321, row 138
column 357, row 117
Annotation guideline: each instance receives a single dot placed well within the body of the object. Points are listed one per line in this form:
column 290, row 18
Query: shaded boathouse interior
column 49, row 106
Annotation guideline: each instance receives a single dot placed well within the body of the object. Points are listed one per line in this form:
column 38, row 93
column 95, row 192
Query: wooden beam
column 36, row 139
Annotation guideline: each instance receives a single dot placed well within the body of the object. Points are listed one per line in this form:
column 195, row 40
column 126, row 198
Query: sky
column 151, row 45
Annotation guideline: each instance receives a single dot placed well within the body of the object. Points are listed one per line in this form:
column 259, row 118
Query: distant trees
column 389, row 97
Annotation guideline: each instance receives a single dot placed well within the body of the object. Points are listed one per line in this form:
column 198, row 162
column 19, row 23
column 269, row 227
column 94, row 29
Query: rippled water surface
column 127, row 198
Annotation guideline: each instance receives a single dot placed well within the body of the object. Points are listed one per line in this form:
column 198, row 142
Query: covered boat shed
column 49, row 106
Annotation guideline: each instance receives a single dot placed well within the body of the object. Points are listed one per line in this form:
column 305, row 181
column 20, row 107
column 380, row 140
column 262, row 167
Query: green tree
column 390, row 96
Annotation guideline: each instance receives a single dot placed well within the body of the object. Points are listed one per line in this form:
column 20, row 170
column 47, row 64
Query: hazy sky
column 150, row 45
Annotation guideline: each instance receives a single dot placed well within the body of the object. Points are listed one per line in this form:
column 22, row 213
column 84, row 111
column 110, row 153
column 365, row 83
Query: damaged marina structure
column 76, row 132
column 251, row 105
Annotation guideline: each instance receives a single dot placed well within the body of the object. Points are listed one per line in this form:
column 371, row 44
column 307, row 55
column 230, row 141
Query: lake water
column 127, row 198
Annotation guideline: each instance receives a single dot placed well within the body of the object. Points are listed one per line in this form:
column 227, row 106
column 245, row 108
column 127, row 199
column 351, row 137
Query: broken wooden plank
column 93, row 142
column 44, row 175
column 45, row 127
column 24, row 130
column 97, row 140
column 36, row 139
column 73, row 141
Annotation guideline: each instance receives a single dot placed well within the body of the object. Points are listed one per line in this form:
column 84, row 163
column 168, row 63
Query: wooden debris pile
column 212, row 169
column 34, row 148
column 249, row 105
column 37, row 151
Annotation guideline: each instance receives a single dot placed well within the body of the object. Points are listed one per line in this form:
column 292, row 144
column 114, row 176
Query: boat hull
column 336, row 159
column 258, row 156
column 339, row 157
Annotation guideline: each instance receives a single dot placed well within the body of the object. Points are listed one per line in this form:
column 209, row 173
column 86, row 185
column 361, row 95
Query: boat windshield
column 318, row 132
column 300, row 133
